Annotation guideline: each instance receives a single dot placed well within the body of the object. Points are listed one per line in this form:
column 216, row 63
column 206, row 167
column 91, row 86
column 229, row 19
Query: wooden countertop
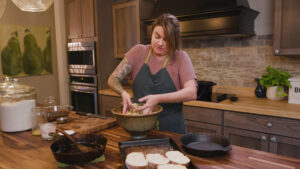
column 245, row 103
column 23, row 150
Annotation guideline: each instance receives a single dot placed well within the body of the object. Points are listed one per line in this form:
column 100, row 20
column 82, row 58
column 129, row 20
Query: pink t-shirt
column 180, row 67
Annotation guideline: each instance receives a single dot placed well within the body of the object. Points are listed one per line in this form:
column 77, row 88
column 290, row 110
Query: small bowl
column 54, row 112
column 137, row 125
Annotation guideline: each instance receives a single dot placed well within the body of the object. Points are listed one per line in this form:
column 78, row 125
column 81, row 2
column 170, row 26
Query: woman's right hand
column 126, row 101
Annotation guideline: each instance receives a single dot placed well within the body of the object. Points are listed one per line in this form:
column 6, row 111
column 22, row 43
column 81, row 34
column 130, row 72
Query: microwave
column 81, row 58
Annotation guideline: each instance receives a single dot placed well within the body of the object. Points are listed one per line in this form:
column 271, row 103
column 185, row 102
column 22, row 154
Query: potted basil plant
column 276, row 82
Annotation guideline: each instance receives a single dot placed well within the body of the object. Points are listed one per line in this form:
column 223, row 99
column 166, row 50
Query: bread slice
column 156, row 159
column 176, row 157
column 171, row 166
column 136, row 160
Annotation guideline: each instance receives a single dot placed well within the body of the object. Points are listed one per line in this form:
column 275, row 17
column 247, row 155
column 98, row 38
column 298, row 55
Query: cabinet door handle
column 269, row 125
column 263, row 138
column 273, row 139
column 277, row 51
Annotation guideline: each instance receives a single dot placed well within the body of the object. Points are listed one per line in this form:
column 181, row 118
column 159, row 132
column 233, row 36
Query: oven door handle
column 83, row 91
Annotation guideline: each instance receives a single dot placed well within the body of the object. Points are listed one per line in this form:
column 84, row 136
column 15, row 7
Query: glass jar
column 46, row 129
column 38, row 117
column 16, row 103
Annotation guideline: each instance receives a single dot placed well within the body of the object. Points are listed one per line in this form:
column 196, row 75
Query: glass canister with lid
column 16, row 103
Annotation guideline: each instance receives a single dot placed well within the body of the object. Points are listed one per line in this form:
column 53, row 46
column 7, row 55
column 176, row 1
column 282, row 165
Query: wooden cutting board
column 86, row 125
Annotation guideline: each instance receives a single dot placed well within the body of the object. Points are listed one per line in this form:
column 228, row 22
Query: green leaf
column 275, row 77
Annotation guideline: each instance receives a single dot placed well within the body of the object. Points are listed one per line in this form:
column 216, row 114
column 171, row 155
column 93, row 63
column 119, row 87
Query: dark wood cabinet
column 245, row 138
column 266, row 133
column 127, row 17
column 126, row 25
column 285, row 146
column 286, row 27
column 262, row 123
column 203, row 128
column 203, row 120
column 80, row 17
column 282, row 145
column 272, row 134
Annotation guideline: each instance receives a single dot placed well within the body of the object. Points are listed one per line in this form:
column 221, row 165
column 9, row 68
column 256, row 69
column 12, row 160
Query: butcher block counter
column 246, row 102
column 23, row 150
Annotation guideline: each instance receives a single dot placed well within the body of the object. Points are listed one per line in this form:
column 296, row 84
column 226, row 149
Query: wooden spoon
column 82, row 148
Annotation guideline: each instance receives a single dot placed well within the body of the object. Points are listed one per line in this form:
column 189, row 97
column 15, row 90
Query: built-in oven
column 81, row 58
column 84, row 93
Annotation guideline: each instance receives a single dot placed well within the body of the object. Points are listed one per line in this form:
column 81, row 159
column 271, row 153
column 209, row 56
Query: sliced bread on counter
column 156, row 159
column 171, row 160
column 176, row 157
column 136, row 160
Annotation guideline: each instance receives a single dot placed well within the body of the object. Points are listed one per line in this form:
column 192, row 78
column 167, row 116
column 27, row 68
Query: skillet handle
column 228, row 148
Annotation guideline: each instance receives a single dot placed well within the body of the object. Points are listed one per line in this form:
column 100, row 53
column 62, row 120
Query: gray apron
column 171, row 118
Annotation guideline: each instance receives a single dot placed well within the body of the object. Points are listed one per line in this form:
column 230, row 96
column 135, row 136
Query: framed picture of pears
column 25, row 50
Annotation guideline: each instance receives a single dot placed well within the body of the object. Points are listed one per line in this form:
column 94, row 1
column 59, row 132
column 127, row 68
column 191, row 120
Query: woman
column 161, row 73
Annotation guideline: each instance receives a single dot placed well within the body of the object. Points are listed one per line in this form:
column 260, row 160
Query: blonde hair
column 171, row 29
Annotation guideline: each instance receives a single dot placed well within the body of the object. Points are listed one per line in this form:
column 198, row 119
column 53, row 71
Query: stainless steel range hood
column 207, row 17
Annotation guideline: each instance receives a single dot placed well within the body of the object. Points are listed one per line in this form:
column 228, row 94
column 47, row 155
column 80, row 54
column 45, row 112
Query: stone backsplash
column 236, row 61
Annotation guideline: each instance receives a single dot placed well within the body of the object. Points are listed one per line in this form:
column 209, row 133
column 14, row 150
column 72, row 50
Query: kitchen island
column 23, row 150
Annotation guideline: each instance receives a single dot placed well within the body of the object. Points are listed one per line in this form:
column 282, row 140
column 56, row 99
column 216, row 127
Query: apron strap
column 149, row 54
column 166, row 61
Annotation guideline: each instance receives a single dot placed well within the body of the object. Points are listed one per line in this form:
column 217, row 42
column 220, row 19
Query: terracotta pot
column 272, row 92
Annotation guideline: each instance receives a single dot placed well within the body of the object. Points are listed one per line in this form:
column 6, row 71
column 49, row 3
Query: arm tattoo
column 118, row 75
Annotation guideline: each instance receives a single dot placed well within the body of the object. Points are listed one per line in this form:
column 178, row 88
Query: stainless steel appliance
column 84, row 93
column 81, row 58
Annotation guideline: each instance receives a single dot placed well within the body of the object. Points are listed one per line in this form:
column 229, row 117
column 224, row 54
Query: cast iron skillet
column 204, row 145
column 65, row 151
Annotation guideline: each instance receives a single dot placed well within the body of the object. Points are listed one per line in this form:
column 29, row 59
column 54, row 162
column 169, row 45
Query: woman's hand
column 126, row 101
column 150, row 102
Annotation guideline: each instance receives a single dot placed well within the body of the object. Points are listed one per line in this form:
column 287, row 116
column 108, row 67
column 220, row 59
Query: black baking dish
column 204, row 145
column 159, row 145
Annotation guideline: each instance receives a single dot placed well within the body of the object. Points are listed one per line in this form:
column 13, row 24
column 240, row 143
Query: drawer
column 203, row 128
column 267, row 124
column 205, row 115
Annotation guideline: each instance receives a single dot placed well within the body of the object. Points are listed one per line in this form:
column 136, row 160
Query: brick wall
column 236, row 61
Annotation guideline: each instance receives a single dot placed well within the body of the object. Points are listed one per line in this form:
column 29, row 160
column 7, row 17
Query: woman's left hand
column 150, row 102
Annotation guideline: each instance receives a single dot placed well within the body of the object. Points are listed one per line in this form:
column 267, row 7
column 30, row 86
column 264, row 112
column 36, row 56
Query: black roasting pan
column 158, row 145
